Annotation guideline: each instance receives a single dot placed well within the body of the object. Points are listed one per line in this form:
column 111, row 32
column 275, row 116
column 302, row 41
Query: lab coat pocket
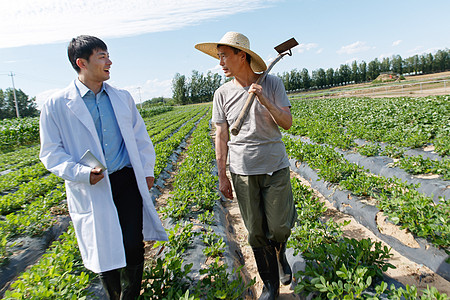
column 79, row 197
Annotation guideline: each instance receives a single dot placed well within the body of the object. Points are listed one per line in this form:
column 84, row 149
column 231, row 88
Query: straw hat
column 236, row 40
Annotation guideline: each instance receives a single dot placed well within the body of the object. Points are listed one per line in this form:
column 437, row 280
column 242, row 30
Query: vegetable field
column 371, row 159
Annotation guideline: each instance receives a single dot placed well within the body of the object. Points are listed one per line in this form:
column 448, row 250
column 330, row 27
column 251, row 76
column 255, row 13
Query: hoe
column 282, row 49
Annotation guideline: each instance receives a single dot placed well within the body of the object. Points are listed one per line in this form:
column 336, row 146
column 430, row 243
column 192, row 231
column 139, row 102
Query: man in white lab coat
column 111, row 210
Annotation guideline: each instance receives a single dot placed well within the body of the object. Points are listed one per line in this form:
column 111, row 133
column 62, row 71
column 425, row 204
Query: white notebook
column 89, row 159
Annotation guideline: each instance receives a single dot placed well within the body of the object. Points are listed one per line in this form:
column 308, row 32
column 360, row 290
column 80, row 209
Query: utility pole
column 14, row 92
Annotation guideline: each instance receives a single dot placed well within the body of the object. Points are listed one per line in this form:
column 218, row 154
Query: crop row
column 338, row 267
column 27, row 211
column 33, row 220
column 20, row 158
column 16, row 132
column 27, row 192
column 157, row 123
column 411, row 164
column 194, row 184
column 165, row 149
column 404, row 122
column 160, row 134
column 419, row 165
column 22, row 175
column 400, row 201
column 59, row 274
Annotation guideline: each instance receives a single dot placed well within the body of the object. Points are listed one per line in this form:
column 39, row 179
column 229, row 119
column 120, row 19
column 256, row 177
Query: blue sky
column 151, row 40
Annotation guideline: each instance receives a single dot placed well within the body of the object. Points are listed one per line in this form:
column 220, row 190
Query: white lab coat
column 67, row 131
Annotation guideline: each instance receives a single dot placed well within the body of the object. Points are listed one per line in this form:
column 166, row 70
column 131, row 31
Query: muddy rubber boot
column 111, row 284
column 131, row 279
column 266, row 260
column 283, row 266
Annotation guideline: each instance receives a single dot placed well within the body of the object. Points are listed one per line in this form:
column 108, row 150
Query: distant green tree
column 373, row 69
column 212, row 81
column 441, row 61
column 319, row 78
column 346, row 74
column 355, row 72
column 156, row 101
column 330, row 77
column 292, row 80
column 194, row 86
column 285, row 77
column 426, row 63
column 397, row 64
column 306, row 80
column 27, row 107
column 179, row 89
column 385, row 65
column 337, row 77
column 416, row 64
column 363, row 71
column 412, row 64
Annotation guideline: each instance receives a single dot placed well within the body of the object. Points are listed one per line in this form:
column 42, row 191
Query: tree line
column 199, row 88
column 27, row 107
column 362, row 72
column 195, row 89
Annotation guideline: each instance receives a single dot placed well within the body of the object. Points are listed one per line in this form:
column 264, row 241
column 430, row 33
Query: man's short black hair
column 236, row 51
column 82, row 47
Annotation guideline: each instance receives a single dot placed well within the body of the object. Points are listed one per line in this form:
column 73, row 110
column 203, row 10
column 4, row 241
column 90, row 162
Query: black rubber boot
column 131, row 279
column 283, row 266
column 266, row 260
column 111, row 283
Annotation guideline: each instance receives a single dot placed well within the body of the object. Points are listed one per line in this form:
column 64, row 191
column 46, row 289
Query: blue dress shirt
column 108, row 130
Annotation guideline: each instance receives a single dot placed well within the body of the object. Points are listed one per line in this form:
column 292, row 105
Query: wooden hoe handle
column 236, row 127
column 281, row 49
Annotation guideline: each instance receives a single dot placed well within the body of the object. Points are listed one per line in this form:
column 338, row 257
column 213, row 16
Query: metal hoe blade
column 288, row 45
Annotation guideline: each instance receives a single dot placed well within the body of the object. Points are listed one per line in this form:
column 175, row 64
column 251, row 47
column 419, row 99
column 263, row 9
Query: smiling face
column 232, row 63
column 95, row 70
column 98, row 66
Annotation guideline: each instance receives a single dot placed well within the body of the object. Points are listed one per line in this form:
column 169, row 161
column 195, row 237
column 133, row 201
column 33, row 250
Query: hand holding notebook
column 89, row 159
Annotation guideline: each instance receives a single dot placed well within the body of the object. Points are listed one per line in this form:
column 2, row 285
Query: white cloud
column 356, row 47
column 152, row 88
column 306, row 47
column 29, row 22
column 396, row 43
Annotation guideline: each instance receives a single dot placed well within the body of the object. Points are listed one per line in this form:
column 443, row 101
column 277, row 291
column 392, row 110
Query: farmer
column 258, row 161
column 112, row 211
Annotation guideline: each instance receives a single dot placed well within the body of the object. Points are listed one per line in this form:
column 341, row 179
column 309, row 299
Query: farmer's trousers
column 128, row 201
column 266, row 205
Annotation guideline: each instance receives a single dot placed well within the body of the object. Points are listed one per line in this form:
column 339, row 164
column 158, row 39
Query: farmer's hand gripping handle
column 244, row 112
column 281, row 49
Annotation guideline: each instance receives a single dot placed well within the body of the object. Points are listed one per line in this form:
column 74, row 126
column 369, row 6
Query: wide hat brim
column 257, row 63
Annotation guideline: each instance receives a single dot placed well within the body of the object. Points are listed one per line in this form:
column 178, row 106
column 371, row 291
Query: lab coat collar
column 78, row 107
